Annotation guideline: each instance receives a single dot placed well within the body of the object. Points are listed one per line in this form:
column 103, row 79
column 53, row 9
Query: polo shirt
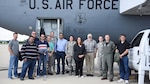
column 43, row 46
column 122, row 47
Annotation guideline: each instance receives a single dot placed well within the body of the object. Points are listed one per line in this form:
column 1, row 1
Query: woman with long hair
column 79, row 54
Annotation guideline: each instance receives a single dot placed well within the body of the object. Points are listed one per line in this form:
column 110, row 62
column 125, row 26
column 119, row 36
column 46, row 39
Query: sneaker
column 77, row 76
column 126, row 82
column 37, row 77
column 82, row 76
column 45, row 78
column 121, row 81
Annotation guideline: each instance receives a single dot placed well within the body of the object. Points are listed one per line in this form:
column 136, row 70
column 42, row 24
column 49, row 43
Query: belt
column 90, row 52
column 30, row 59
column 60, row 51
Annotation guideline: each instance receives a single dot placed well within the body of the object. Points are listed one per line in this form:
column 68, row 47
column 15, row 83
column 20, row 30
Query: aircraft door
column 48, row 25
column 134, row 52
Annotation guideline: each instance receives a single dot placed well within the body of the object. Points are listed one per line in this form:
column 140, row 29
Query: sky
column 8, row 35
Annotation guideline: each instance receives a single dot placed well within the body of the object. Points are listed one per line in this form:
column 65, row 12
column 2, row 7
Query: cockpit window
column 136, row 41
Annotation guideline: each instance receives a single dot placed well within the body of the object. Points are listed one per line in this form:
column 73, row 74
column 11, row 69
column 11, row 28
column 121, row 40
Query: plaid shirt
column 90, row 46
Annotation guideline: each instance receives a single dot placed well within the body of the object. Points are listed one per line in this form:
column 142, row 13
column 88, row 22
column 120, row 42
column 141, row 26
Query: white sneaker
column 37, row 77
column 121, row 81
column 82, row 76
column 77, row 76
column 45, row 76
column 126, row 82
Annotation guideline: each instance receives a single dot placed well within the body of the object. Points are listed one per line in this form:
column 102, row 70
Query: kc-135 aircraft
column 76, row 17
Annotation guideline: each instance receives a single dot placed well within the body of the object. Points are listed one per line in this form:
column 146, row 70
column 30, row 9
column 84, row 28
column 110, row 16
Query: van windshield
column 136, row 41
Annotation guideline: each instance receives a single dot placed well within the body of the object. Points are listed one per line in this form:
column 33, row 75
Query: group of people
column 48, row 48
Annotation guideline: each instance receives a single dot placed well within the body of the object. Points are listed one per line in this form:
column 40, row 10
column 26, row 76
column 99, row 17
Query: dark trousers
column 60, row 55
column 124, row 68
column 79, row 67
column 28, row 64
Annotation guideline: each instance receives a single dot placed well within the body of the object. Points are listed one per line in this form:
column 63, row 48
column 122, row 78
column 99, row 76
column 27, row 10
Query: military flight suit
column 107, row 62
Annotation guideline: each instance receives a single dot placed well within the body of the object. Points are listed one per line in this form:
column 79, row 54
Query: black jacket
column 79, row 51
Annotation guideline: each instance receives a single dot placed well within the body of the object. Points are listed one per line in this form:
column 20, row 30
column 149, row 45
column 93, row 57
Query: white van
column 139, row 54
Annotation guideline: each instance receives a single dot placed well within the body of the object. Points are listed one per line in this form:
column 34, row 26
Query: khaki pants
column 89, row 63
column 51, row 64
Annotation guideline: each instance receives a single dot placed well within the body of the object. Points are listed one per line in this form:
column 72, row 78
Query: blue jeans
column 60, row 55
column 13, row 64
column 29, row 64
column 124, row 68
column 43, row 59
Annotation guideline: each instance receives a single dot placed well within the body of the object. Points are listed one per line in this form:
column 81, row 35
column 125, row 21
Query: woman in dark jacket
column 79, row 53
